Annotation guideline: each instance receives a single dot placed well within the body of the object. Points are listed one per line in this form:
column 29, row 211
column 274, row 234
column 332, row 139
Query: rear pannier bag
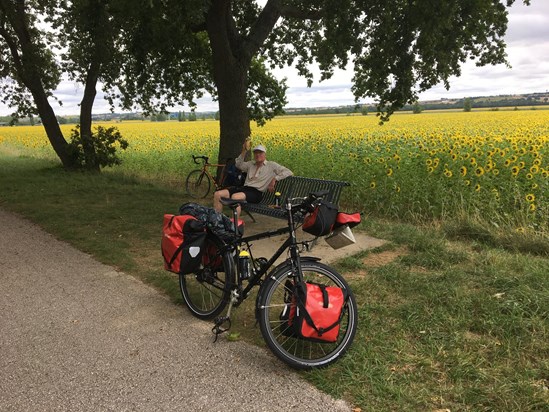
column 313, row 312
column 183, row 243
column 321, row 221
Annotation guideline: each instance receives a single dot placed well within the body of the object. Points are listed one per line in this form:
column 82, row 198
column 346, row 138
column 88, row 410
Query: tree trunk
column 86, row 107
column 230, row 73
column 233, row 113
column 51, row 125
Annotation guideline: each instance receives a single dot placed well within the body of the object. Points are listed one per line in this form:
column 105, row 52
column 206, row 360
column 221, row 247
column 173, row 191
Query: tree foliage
column 397, row 49
column 158, row 53
column 467, row 105
column 26, row 55
column 105, row 140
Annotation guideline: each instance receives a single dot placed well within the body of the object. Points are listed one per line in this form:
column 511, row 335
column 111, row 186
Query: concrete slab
column 321, row 249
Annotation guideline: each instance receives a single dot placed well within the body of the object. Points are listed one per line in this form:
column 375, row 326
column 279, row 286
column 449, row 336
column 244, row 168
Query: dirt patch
column 376, row 260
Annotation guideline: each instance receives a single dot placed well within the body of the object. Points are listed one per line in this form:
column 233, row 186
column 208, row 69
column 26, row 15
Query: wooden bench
column 294, row 186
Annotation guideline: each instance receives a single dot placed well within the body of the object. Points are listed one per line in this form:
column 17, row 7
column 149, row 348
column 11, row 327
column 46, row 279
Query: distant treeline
column 116, row 117
column 536, row 99
column 526, row 100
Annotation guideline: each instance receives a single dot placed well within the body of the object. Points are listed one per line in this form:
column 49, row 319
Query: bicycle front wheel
column 297, row 352
column 198, row 184
column 207, row 291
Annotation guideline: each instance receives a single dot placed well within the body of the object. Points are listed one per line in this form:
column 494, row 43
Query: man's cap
column 260, row 148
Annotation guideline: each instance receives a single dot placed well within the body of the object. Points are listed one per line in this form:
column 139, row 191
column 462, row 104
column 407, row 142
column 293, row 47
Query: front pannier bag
column 321, row 221
column 183, row 243
column 313, row 312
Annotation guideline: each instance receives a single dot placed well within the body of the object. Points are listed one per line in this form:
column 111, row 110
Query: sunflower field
column 492, row 165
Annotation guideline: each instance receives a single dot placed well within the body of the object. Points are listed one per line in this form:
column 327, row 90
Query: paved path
column 76, row 335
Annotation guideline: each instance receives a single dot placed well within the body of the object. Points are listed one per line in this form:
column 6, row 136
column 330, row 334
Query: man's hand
column 245, row 147
column 272, row 185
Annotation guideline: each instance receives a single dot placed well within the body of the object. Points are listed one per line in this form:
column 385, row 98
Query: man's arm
column 282, row 172
column 239, row 161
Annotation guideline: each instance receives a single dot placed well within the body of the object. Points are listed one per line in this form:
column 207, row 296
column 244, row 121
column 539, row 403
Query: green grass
column 453, row 315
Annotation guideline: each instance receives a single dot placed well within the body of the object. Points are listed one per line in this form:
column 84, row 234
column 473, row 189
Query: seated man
column 261, row 175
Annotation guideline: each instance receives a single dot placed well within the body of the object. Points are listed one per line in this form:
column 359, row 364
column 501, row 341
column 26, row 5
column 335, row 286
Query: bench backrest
column 298, row 186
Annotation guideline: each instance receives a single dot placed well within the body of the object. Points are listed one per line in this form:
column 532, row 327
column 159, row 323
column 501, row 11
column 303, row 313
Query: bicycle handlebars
column 196, row 158
column 309, row 203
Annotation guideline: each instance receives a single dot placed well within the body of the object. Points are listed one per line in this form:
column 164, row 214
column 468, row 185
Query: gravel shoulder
column 78, row 335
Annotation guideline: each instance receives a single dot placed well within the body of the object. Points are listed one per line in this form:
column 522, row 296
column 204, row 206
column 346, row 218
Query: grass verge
column 448, row 320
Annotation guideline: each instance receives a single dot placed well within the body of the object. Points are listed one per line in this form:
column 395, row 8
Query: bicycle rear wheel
column 207, row 291
column 197, row 184
column 298, row 352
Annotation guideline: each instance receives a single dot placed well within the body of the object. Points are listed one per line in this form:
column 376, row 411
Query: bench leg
column 251, row 216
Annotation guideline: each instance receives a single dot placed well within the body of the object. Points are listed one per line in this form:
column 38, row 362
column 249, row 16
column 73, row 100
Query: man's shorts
column 252, row 194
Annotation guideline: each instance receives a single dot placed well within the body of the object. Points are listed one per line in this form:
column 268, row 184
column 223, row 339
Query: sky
column 527, row 41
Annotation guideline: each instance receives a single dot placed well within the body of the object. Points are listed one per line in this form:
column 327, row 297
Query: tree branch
column 292, row 12
column 262, row 27
column 12, row 45
column 273, row 10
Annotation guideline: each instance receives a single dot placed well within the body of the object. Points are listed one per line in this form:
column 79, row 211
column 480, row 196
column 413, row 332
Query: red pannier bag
column 183, row 243
column 313, row 312
column 349, row 219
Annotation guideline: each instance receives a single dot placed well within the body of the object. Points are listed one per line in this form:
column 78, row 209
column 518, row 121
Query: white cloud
column 528, row 54
column 527, row 41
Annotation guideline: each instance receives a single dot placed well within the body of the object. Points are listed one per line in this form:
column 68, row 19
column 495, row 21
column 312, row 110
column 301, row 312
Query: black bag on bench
column 234, row 177
column 321, row 221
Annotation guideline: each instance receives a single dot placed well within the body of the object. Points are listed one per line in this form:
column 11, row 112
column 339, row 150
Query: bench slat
column 295, row 186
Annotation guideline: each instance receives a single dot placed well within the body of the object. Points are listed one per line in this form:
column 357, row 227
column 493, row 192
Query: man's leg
column 217, row 199
column 238, row 196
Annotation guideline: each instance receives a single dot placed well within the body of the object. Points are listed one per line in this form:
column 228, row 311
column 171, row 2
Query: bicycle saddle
column 232, row 202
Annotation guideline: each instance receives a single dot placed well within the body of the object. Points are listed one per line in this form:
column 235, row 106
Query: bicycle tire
column 296, row 352
column 197, row 184
column 207, row 291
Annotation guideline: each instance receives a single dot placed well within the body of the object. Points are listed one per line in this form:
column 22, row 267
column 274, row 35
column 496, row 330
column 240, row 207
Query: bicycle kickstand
column 217, row 329
column 219, row 321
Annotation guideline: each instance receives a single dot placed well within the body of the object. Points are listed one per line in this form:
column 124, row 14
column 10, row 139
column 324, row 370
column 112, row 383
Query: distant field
column 489, row 164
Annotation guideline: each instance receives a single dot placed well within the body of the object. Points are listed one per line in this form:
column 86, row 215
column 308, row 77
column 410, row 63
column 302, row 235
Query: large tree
column 172, row 51
column 42, row 39
column 28, row 67
column 397, row 48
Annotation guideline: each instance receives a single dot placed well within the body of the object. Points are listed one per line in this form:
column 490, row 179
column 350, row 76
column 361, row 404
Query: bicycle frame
column 281, row 288
column 206, row 165
column 291, row 243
